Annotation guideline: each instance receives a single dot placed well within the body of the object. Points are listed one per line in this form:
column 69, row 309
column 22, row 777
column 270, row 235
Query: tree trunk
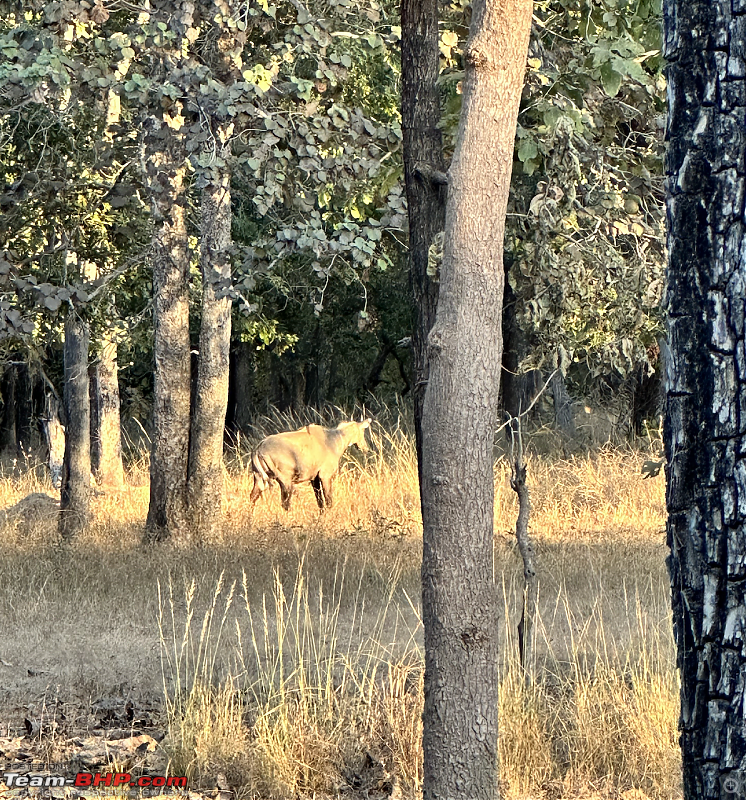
column 423, row 156
column 519, row 389
column 26, row 417
column 8, row 433
column 241, row 388
column 211, row 400
column 706, row 388
column 54, row 438
column 170, row 449
column 106, row 436
column 459, row 600
column 75, row 496
column 563, row 416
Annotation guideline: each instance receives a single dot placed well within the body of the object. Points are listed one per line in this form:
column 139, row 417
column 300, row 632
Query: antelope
column 310, row 454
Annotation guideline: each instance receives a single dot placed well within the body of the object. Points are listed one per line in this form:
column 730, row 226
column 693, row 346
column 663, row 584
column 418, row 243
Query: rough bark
column 106, row 437
column 75, row 495
column 164, row 165
column 211, row 400
column 423, row 153
column 459, row 599
column 705, row 423
column 171, row 389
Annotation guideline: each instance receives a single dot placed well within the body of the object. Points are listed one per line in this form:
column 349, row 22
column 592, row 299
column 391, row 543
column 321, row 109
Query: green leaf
column 611, row 80
column 527, row 149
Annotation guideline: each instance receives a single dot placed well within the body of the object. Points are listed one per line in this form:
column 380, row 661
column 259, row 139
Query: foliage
column 307, row 97
column 587, row 225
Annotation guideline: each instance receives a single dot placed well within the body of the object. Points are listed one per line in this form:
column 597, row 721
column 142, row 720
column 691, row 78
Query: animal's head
column 355, row 433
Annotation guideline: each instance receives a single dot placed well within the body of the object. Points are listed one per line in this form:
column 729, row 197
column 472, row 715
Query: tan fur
column 310, row 454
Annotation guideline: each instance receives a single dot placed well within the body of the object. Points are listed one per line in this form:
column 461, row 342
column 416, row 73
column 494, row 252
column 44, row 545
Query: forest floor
column 284, row 659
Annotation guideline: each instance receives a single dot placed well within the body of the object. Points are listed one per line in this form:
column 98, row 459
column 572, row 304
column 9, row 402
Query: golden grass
column 290, row 647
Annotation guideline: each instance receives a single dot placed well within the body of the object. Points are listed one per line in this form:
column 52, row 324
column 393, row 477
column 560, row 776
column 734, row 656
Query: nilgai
column 309, row 454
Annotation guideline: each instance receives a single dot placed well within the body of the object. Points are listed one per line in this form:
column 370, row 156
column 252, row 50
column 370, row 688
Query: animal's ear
column 366, row 422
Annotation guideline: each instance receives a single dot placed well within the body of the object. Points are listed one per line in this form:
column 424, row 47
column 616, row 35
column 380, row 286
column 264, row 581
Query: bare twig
column 526, row 548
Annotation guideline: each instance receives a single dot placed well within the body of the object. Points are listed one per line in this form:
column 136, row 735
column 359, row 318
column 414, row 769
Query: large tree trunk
column 211, row 399
column 423, row 159
column 459, row 599
column 171, row 390
column 75, row 496
column 706, row 388
column 106, row 437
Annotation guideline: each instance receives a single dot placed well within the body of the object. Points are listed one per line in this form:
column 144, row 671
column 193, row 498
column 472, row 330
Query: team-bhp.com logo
column 89, row 780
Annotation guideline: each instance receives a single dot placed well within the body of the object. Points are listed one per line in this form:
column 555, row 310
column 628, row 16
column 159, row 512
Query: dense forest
column 297, row 108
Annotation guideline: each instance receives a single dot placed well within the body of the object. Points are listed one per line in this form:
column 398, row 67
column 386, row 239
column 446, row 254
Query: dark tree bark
column 240, row 388
column 106, row 436
column 8, row 432
column 26, row 412
column 459, row 599
column 205, row 486
column 423, row 154
column 75, row 495
column 519, row 389
column 706, row 387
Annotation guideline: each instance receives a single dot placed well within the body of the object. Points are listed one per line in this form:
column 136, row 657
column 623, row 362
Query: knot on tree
column 434, row 343
column 476, row 56
column 473, row 637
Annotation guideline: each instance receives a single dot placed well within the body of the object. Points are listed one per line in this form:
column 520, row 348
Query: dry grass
column 287, row 653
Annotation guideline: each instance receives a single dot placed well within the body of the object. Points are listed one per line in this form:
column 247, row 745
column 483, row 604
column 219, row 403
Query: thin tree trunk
column 563, row 416
column 528, row 554
column 8, row 433
column 459, row 600
column 706, row 395
column 240, row 388
column 423, row 159
column 75, row 496
column 211, row 400
column 106, row 438
column 25, row 419
column 171, row 390
column 54, row 437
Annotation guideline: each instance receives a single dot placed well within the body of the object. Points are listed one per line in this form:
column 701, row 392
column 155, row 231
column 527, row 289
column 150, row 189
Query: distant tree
column 459, row 598
column 705, row 394
column 165, row 168
column 75, row 494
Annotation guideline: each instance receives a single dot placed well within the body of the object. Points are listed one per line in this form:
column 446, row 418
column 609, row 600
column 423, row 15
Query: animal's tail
column 261, row 469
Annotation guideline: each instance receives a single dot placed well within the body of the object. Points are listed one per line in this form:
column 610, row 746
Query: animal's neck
column 339, row 440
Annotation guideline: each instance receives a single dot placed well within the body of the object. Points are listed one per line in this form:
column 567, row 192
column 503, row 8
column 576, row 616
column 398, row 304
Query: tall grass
column 291, row 645
column 323, row 697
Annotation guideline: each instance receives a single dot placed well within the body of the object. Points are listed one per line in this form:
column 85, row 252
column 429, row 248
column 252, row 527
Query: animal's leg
column 316, row 483
column 256, row 490
column 326, row 485
column 287, row 493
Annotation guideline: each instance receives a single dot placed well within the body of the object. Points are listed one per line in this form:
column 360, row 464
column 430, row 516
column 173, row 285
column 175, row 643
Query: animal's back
column 295, row 455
